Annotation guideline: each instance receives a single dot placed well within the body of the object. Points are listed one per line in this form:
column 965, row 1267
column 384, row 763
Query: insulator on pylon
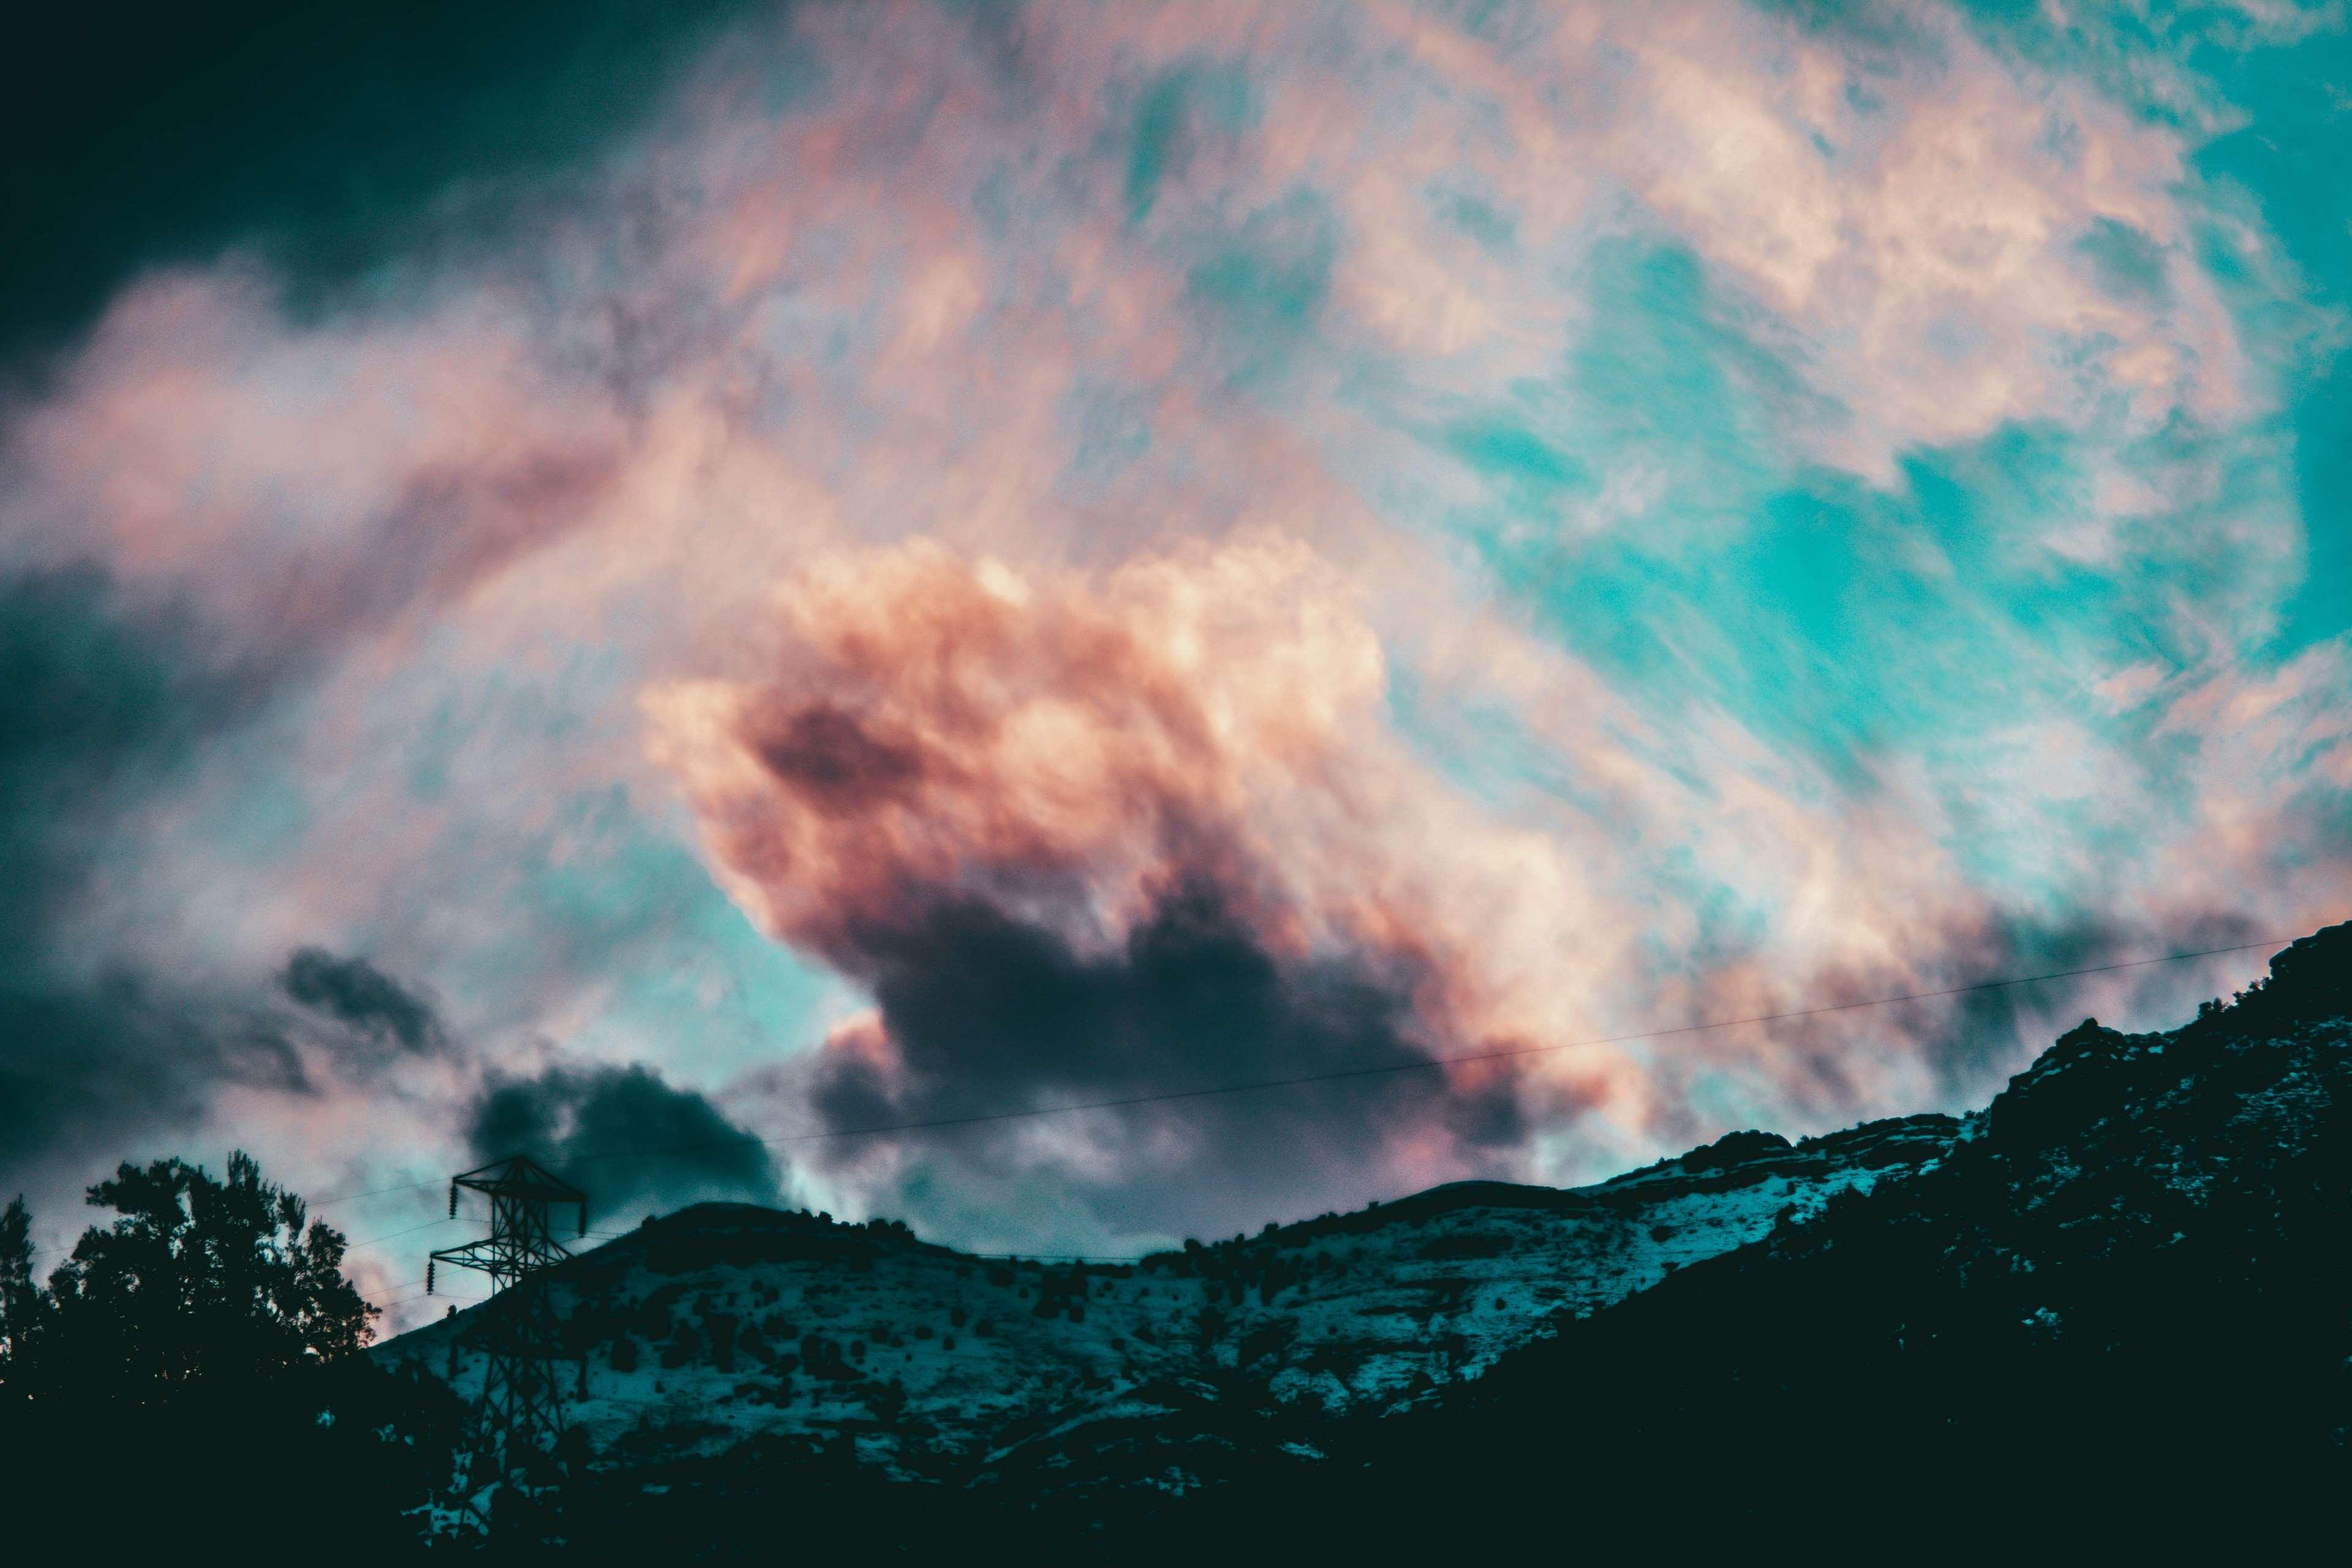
column 583, row 1222
column 428, row 1278
column 452, row 1200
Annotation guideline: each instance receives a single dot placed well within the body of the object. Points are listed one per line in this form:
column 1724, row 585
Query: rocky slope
column 727, row 1323
column 2120, row 1296
column 2120, row 1306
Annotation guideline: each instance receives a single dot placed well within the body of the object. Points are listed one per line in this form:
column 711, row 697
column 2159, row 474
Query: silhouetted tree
column 23, row 1307
column 198, row 1278
column 204, row 1340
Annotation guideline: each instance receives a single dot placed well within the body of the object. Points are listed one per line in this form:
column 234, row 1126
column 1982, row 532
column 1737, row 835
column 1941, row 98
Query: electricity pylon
column 521, row 1414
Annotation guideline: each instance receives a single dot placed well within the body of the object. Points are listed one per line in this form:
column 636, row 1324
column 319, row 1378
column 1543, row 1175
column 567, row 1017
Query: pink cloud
column 818, row 457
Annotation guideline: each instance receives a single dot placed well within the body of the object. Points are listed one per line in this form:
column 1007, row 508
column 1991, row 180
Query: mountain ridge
column 2120, row 1307
column 768, row 1310
column 1912, row 1276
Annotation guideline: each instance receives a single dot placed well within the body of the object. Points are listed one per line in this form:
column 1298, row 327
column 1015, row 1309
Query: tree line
column 191, row 1374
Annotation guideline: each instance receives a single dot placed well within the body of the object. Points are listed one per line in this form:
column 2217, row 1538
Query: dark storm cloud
column 624, row 1136
column 336, row 138
column 102, row 703
column 107, row 1064
column 97, row 704
column 358, row 993
column 1970, row 1032
column 1974, row 1040
column 985, row 1013
column 1081, row 840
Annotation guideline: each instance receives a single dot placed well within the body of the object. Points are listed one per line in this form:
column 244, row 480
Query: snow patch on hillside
column 726, row 1322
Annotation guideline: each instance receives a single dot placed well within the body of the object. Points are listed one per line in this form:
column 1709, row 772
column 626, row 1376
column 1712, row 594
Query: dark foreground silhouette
column 190, row 1375
column 2115, row 1314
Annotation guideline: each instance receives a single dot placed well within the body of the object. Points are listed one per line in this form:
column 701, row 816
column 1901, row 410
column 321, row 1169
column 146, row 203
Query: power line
column 370, row 1193
column 428, row 1225
column 416, row 1291
column 1419, row 1064
column 421, row 1294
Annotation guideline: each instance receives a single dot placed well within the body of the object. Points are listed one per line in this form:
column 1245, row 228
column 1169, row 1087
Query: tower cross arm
column 521, row 1176
column 490, row 1257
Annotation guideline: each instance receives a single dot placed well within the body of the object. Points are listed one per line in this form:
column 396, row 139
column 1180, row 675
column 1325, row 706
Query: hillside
column 2120, row 1294
column 2119, row 1307
column 727, row 1323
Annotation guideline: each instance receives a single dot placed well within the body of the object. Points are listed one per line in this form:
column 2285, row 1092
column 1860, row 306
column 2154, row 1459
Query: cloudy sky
column 594, row 585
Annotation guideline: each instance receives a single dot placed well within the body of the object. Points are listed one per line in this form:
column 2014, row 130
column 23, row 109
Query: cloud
column 1083, row 839
column 362, row 997
column 103, row 700
column 1088, row 836
column 980, row 1012
column 118, row 1061
column 624, row 1135
column 1435, row 527
column 301, row 494
column 384, row 134
column 104, row 703
column 113, row 701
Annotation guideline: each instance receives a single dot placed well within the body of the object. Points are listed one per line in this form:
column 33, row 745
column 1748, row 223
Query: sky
column 600, row 581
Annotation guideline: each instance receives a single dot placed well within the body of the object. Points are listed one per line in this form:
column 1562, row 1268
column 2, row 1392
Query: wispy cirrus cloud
column 1401, row 528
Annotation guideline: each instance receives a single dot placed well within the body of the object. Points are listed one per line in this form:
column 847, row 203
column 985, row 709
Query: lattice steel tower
column 521, row 1415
